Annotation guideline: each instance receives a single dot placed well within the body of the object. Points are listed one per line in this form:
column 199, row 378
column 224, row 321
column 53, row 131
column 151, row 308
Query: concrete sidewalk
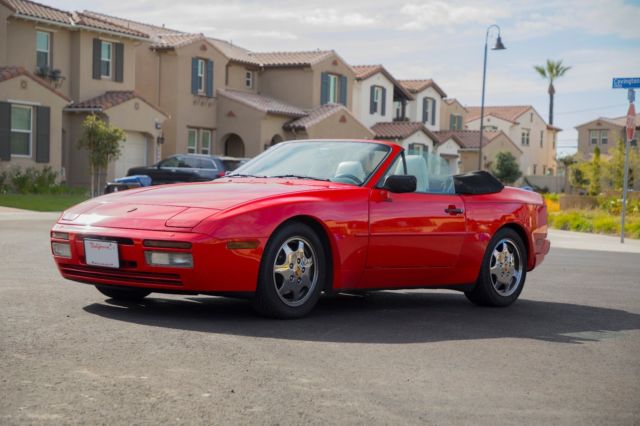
column 597, row 242
column 11, row 214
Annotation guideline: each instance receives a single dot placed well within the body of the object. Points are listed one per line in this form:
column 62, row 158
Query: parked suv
column 188, row 168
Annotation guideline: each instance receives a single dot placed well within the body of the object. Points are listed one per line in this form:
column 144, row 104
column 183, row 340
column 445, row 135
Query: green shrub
column 606, row 224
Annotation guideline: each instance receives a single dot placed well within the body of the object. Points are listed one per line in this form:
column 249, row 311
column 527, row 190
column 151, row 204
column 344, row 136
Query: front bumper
column 216, row 268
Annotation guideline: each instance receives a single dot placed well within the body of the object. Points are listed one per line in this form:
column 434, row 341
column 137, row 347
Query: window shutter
column 209, row 79
column 119, row 62
column 452, row 122
column 384, row 101
column 5, row 131
column 343, row 90
column 96, row 58
column 372, row 104
column 43, row 126
column 425, row 117
column 194, row 76
column 433, row 112
column 324, row 88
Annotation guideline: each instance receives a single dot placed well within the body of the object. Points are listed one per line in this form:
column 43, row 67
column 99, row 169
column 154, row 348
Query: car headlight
column 61, row 249
column 170, row 259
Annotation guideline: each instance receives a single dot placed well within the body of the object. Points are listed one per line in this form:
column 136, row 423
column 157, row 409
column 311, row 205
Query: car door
column 166, row 170
column 418, row 232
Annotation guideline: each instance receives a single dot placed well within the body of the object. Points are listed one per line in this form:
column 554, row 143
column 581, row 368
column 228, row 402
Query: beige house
column 603, row 133
column 523, row 125
column 426, row 104
column 493, row 142
column 377, row 96
column 452, row 115
column 414, row 136
column 85, row 59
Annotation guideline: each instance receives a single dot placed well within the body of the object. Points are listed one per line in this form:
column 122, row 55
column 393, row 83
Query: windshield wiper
column 300, row 177
column 243, row 175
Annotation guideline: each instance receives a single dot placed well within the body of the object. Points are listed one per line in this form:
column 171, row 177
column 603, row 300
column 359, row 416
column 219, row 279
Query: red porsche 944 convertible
column 307, row 217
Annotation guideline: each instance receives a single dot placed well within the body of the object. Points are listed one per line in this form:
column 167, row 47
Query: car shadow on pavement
column 384, row 317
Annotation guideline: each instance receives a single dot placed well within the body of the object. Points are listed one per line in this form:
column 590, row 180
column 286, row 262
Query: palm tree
column 552, row 71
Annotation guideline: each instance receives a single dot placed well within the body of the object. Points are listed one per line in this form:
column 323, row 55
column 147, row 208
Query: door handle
column 453, row 210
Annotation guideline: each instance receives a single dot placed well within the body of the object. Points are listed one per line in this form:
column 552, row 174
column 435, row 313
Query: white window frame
column 377, row 99
column 202, row 146
column 248, row 79
column 29, row 132
column 525, row 138
column 594, row 136
column 193, row 150
column 397, row 108
column 202, row 70
column 108, row 76
column 48, row 51
column 332, row 97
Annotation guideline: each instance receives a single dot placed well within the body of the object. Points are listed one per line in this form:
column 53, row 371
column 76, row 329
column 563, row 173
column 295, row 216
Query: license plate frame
column 101, row 253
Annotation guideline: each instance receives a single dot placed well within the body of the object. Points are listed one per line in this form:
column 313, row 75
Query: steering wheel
column 348, row 176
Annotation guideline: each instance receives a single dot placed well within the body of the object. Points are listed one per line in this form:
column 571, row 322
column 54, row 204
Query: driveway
column 565, row 353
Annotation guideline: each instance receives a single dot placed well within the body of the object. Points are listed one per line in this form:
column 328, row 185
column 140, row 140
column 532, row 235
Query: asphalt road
column 568, row 352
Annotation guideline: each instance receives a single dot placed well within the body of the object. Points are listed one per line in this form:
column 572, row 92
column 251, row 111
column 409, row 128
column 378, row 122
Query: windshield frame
column 388, row 146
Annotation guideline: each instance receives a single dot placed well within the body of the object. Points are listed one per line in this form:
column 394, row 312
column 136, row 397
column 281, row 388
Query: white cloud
column 440, row 13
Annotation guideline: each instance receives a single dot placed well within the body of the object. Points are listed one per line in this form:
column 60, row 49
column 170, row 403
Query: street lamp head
column 499, row 45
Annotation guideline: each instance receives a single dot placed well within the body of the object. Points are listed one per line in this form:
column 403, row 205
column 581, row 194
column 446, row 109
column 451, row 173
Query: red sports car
column 307, row 217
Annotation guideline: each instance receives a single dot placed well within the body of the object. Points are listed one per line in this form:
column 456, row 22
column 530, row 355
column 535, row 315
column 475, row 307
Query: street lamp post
column 498, row 46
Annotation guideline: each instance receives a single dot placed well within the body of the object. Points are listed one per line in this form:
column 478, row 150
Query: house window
column 248, row 79
column 192, row 141
column 604, row 137
column 21, row 130
column 43, row 49
column 535, row 166
column 455, row 122
column 333, row 89
column 397, row 107
column 417, row 149
column 205, row 142
column 429, row 111
column 541, row 138
column 544, row 170
column 526, row 133
column 106, row 58
column 593, row 136
column 377, row 100
column 201, row 73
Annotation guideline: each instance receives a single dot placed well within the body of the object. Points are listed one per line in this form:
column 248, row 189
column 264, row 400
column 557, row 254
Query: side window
column 190, row 163
column 206, row 163
column 169, row 162
column 398, row 167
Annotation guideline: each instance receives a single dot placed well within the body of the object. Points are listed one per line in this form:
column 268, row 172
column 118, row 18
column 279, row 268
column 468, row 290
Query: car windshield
column 336, row 161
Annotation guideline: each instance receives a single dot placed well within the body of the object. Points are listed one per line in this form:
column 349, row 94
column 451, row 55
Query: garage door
column 133, row 153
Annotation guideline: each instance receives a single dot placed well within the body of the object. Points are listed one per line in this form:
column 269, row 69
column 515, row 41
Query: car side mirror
column 401, row 183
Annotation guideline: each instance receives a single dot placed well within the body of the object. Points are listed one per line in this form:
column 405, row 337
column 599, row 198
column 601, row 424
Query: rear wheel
column 123, row 293
column 503, row 272
column 293, row 272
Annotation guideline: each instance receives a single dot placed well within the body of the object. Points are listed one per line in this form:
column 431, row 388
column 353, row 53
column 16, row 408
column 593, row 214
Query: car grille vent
column 86, row 273
column 120, row 240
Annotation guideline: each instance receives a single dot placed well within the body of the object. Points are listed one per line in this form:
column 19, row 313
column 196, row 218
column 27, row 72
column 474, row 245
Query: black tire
column 280, row 297
column 123, row 293
column 489, row 290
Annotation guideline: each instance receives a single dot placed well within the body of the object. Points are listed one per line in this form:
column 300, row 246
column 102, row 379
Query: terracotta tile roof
column 417, row 86
column 315, row 116
column 233, row 52
column 262, row 103
column 31, row 9
column 451, row 101
column 82, row 19
column 400, row 130
column 291, row 59
column 8, row 73
column 365, row 71
column 175, row 40
column 508, row 113
column 149, row 29
column 470, row 139
column 111, row 99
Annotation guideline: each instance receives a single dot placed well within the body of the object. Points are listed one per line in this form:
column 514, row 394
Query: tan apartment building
column 525, row 127
column 87, row 62
column 603, row 133
column 452, row 115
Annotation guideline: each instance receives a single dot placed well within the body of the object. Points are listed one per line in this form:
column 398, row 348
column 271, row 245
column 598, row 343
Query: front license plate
column 101, row 253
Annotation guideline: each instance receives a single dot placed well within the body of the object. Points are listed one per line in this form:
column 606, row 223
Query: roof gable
column 262, row 103
column 109, row 100
column 509, row 113
column 417, row 86
column 470, row 139
column 364, row 72
column 316, row 116
column 8, row 73
column 401, row 130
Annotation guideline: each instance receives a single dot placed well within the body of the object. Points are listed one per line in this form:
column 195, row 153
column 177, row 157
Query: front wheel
column 503, row 272
column 293, row 272
column 123, row 293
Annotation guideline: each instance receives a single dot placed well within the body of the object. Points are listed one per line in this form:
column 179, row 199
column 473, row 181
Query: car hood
column 180, row 205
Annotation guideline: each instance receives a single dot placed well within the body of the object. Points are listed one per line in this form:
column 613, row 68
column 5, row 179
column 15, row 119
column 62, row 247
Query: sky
column 439, row 39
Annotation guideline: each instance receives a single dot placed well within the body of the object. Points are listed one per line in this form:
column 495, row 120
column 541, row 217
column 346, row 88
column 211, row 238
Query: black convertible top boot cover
column 475, row 183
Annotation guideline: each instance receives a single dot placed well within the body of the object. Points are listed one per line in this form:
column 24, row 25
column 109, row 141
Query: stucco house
column 523, row 125
column 426, row 104
column 469, row 143
column 89, row 66
column 452, row 115
column 378, row 96
column 604, row 133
